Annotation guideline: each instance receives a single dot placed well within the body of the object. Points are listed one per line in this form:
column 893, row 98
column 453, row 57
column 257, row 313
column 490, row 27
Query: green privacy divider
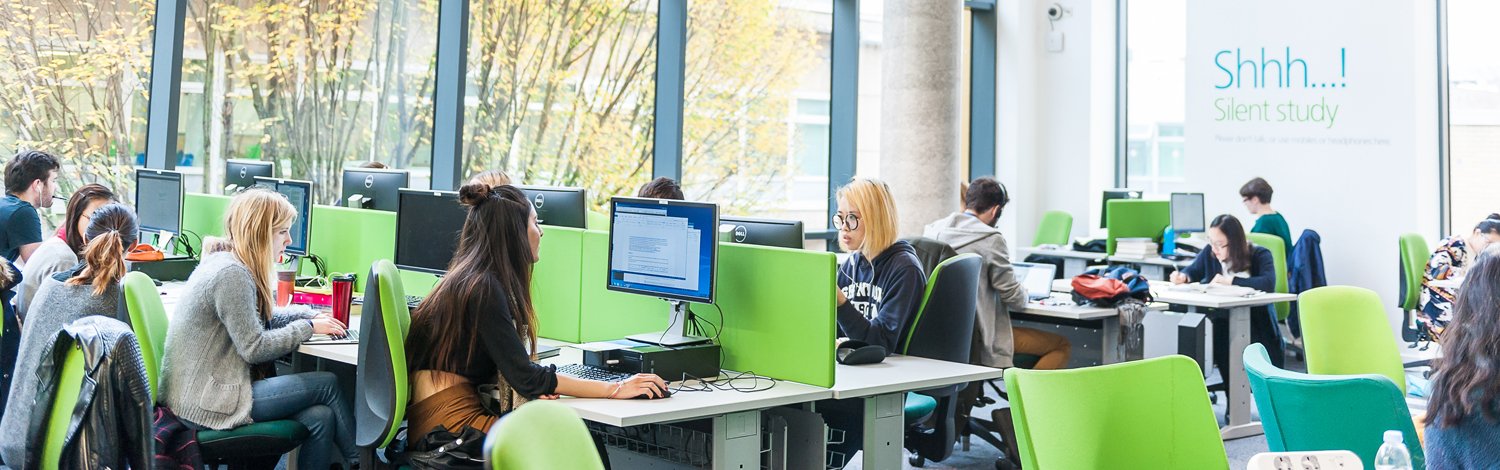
column 203, row 214
column 350, row 240
column 1136, row 219
column 555, row 283
column 608, row 315
column 778, row 309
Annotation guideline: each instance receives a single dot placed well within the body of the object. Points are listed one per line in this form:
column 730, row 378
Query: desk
column 1108, row 318
column 1154, row 268
column 1074, row 262
column 883, row 388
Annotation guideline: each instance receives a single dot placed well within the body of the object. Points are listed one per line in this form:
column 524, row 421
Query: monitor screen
column 158, row 200
column 560, row 207
column 427, row 227
column 378, row 188
column 1187, row 213
column 663, row 248
column 1110, row 195
column 763, row 232
column 300, row 194
column 242, row 173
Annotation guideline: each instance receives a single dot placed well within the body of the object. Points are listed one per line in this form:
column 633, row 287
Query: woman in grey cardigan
column 91, row 288
column 217, row 369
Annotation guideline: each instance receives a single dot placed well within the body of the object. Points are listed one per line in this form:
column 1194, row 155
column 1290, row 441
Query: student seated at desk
column 1449, row 261
column 1232, row 260
column 661, row 188
column 218, row 371
column 60, row 253
column 494, row 178
column 1463, row 407
column 1256, row 194
column 475, row 326
column 880, row 286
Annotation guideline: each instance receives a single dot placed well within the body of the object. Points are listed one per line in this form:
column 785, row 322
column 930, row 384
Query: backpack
column 1110, row 286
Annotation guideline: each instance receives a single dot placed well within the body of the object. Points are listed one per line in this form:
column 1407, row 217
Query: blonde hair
column 877, row 213
column 251, row 224
column 493, row 178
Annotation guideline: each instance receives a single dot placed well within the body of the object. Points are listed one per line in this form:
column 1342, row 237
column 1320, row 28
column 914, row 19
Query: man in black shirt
column 30, row 184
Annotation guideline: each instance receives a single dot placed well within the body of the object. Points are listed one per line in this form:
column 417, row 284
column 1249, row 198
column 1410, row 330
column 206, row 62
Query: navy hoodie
column 883, row 295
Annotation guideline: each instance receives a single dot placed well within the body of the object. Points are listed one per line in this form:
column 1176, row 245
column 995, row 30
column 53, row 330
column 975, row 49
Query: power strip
column 1308, row 460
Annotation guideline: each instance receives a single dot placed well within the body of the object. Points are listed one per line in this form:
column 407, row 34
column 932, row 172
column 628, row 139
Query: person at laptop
column 973, row 231
column 661, row 188
column 60, row 253
column 90, row 288
column 218, row 370
column 1233, row 260
column 880, row 285
column 1256, row 194
column 476, row 325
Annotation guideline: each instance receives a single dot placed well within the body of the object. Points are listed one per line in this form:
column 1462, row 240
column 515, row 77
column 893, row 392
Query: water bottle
column 1392, row 454
column 1169, row 242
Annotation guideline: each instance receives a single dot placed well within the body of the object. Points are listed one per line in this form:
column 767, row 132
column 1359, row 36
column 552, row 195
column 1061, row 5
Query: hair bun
column 473, row 194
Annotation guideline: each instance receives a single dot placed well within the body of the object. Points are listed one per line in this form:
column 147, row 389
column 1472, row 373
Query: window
column 1474, row 113
column 755, row 127
column 562, row 93
column 1156, row 56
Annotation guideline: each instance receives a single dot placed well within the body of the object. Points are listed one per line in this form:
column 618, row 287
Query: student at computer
column 373, row 165
column 973, row 231
column 218, row 370
column 494, row 178
column 478, row 324
column 880, row 286
column 1449, row 260
column 60, row 253
column 30, row 183
column 1463, row 408
column 1256, row 195
column 89, row 288
column 661, row 188
column 1233, row 260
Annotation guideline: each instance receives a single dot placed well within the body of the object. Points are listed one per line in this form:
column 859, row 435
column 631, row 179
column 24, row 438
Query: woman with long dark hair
column 1463, row 408
column 1233, row 260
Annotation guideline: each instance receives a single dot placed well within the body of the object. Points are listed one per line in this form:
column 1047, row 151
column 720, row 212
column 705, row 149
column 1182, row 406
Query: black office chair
column 946, row 314
column 381, row 389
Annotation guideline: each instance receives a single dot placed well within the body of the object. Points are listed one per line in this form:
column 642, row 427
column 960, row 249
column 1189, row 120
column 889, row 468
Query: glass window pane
column 1156, row 53
column 1474, row 126
column 755, row 133
column 562, row 93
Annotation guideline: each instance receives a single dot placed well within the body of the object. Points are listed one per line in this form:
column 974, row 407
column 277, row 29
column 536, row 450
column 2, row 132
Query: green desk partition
column 350, row 240
column 203, row 215
column 597, row 221
column 1129, row 218
column 778, row 309
column 609, row 315
column 555, row 283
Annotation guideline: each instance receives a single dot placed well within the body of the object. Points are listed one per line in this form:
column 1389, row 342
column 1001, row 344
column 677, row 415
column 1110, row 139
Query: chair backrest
column 1152, row 413
column 1345, row 331
column 1413, row 260
column 945, row 319
column 1055, row 228
column 148, row 319
column 69, row 386
column 1278, row 250
column 1328, row 412
column 381, row 376
column 540, row 434
column 930, row 253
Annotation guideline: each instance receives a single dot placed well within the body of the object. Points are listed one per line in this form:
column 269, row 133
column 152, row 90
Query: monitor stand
column 682, row 321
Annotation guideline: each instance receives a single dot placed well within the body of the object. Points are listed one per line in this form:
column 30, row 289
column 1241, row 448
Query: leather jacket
column 112, row 425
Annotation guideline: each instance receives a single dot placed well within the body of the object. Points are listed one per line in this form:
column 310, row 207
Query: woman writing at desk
column 1450, row 260
column 477, row 323
column 1235, row 261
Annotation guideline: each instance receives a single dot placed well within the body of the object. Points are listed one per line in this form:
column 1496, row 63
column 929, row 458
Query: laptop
column 1037, row 278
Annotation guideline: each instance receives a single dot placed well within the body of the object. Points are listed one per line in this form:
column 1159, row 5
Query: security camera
column 1056, row 12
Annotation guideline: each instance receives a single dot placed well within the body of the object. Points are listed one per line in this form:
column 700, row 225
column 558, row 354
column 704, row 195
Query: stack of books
column 1138, row 248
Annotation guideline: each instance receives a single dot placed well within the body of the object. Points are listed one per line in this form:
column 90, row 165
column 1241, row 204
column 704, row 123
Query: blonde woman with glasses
column 881, row 284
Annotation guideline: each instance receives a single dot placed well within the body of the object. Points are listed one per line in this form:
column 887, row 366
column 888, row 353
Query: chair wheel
column 916, row 460
column 1003, row 463
column 1213, row 398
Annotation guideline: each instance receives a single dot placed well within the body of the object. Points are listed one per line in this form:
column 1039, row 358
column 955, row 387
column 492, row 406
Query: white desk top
column 1061, row 253
column 904, row 373
column 1071, row 312
column 1154, row 261
column 1160, row 292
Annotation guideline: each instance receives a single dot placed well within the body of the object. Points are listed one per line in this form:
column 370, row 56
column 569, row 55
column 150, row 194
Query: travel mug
column 343, row 295
column 284, row 287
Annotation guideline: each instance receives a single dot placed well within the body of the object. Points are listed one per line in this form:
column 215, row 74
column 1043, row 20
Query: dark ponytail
column 112, row 231
column 475, row 193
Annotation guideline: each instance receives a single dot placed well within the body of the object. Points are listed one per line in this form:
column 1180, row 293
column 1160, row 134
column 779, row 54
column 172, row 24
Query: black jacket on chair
column 114, row 416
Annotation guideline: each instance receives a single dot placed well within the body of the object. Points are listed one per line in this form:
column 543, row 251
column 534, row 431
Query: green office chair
column 1278, row 250
column 540, row 434
column 941, row 330
column 60, row 414
column 1414, row 253
column 1345, row 331
column 148, row 319
column 1328, row 412
column 1152, row 413
column 1055, row 228
column 381, row 390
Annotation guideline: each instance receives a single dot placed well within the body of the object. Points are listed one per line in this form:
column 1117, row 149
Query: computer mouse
column 855, row 353
column 646, row 396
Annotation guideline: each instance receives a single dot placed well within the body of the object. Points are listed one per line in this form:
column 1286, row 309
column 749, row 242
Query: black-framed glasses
column 848, row 222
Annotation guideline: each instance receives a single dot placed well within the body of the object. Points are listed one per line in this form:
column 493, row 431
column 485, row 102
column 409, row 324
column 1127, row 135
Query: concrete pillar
column 919, row 123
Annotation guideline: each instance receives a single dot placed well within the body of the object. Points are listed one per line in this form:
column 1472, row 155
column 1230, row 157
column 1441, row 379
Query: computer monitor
column 763, row 232
column 1110, row 195
column 427, row 227
column 1187, row 213
column 665, row 249
column 158, row 201
column 300, row 194
column 561, row 207
column 373, row 188
column 241, row 174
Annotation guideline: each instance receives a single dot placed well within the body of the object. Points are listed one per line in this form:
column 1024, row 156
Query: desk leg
column 737, row 441
column 1111, row 345
column 885, row 427
column 1237, row 382
column 1073, row 267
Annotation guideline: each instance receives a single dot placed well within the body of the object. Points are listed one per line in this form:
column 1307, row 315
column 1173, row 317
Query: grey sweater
column 54, row 256
column 999, row 292
column 57, row 304
column 214, row 338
